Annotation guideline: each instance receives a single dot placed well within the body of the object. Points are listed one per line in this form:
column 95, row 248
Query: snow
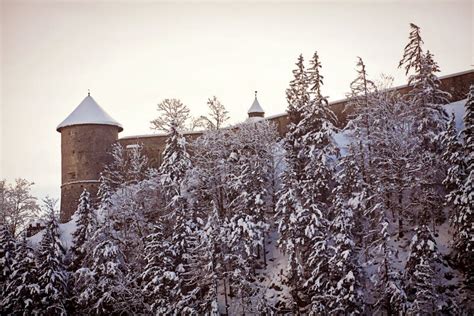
column 255, row 108
column 343, row 140
column 88, row 112
column 458, row 109
column 65, row 229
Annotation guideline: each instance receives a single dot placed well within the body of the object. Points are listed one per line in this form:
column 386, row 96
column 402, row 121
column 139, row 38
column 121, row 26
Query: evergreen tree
column 413, row 52
column 291, row 216
column 171, row 278
column 23, row 295
column 247, row 224
column 52, row 271
column 7, row 255
column 176, row 162
column 426, row 99
column 109, row 294
column 158, row 277
column 419, row 272
column 344, row 281
column 454, row 159
column 212, row 263
column 128, row 166
column 303, row 206
column 86, row 224
column 463, row 218
column 361, row 106
column 389, row 292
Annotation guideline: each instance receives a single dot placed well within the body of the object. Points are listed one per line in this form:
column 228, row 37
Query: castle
column 88, row 133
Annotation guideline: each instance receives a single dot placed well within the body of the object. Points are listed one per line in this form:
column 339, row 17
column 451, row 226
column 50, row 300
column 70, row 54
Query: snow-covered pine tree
column 22, row 294
column 412, row 54
column 108, row 292
column 463, row 217
column 182, row 240
column 297, row 94
column 389, row 293
column 291, row 217
column 304, row 203
column 426, row 99
column 176, row 162
column 247, row 223
column 361, row 108
column 104, row 193
column 210, row 186
column 211, row 247
column 52, row 271
column 7, row 255
column 453, row 156
column 320, row 149
column 115, row 173
column 159, row 279
column 86, row 223
column 185, row 243
column 344, row 285
column 419, row 272
column 128, row 166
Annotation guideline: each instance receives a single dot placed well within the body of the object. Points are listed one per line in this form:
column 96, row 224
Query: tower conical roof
column 89, row 112
column 255, row 108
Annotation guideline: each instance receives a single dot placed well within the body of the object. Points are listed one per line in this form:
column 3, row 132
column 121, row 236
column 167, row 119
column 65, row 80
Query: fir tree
column 213, row 263
column 178, row 289
column 389, row 292
column 128, row 166
column 7, row 255
column 109, row 293
column 86, row 224
column 158, row 277
column 176, row 162
column 23, row 295
column 344, row 284
column 307, row 183
column 454, row 159
column 419, row 272
column 361, row 106
column 426, row 99
column 52, row 271
column 463, row 218
column 412, row 54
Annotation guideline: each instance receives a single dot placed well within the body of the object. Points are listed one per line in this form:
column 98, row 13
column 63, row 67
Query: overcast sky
column 133, row 54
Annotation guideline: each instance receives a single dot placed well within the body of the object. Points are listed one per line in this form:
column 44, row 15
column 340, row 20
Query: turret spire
column 256, row 110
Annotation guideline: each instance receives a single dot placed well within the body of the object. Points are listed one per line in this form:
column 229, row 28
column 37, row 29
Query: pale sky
column 133, row 54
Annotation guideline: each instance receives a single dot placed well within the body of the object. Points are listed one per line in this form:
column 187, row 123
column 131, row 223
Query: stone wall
column 154, row 145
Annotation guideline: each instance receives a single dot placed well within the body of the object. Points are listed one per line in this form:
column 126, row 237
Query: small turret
column 86, row 137
column 256, row 110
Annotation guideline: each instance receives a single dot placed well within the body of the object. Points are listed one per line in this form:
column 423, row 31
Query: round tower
column 86, row 138
column 256, row 110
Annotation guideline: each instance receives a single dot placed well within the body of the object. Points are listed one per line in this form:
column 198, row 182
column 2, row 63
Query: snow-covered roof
column 255, row 108
column 88, row 112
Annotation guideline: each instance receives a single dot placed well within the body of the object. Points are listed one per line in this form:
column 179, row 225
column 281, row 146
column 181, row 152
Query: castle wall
column 84, row 152
column 153, row 145
column 85, row 148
